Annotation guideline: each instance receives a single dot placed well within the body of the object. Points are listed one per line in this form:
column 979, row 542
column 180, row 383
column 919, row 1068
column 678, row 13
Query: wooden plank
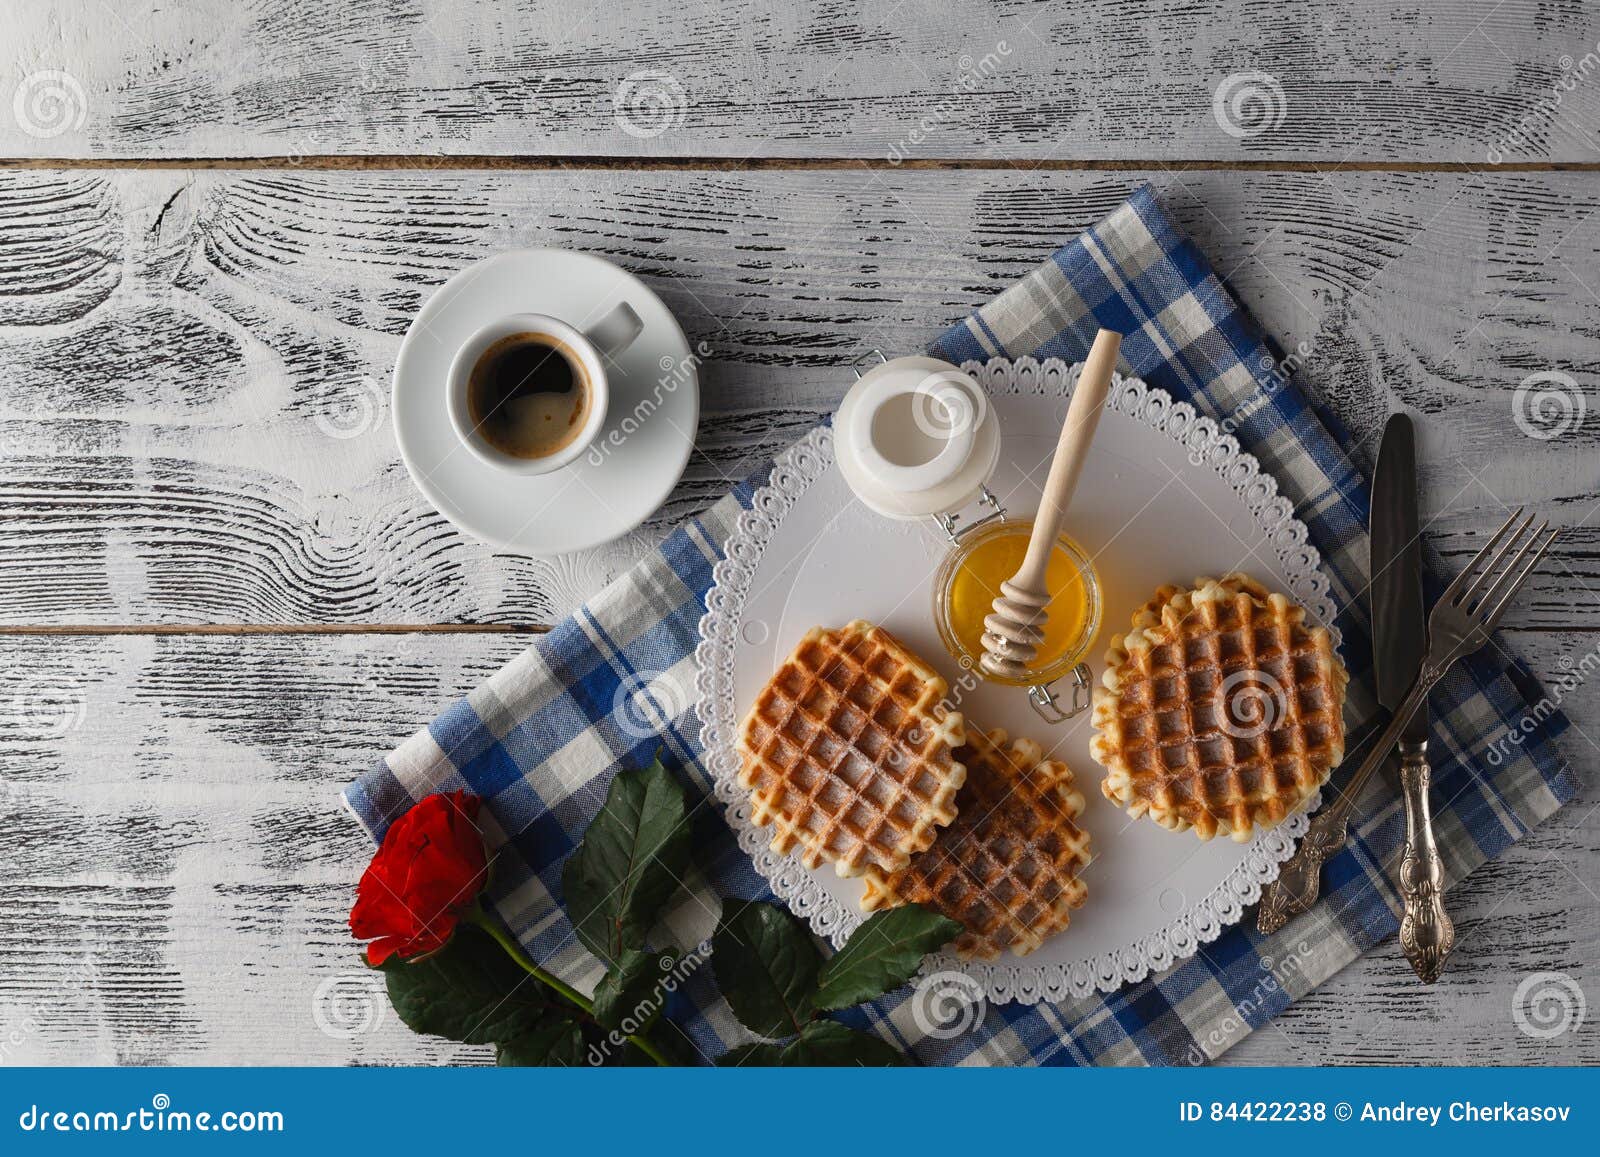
column 179, row 872
column 1449, row 81
column 180, row 868
column 195, row 425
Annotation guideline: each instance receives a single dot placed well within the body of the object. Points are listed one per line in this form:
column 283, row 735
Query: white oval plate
column 1164, row 497
column 650, row 421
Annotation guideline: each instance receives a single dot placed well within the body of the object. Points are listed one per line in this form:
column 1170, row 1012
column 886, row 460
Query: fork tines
column 1498, row 571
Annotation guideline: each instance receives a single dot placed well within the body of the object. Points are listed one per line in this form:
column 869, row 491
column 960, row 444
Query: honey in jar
column 970, row 578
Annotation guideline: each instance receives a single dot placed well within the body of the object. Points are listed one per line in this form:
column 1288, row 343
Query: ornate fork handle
column 1299, row 881
column 1427, row 934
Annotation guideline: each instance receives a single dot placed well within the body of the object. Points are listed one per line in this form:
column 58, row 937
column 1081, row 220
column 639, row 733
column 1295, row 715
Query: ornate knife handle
column 1427, row 935
column 1299, row 881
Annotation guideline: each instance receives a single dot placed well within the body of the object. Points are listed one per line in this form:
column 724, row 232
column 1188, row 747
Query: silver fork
column 1460, row 623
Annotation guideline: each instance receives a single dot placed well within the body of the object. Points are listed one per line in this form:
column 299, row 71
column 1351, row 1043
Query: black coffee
column 528, row 396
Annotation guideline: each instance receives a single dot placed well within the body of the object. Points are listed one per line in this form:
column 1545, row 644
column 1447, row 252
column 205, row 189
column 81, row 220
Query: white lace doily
column 1027, row 979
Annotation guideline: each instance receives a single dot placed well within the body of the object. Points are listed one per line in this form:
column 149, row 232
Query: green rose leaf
column 632, row 991
column 630, row 862
column 829, row 1043
column 555, row 1042
column 470, row 990
column 766, row 966
column 882, row 954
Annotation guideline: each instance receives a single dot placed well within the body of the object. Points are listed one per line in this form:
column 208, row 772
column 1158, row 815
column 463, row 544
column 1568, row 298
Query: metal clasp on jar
column 950, row 523
column 1049, row 708
column 863, row 359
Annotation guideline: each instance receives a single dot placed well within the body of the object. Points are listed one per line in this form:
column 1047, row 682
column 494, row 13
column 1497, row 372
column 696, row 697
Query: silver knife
column 1399, row 641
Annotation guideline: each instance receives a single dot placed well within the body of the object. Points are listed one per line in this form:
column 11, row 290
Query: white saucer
column 650, row 422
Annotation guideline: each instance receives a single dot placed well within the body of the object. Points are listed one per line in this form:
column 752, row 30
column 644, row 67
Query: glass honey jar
column 916, row 439
column 968, row 581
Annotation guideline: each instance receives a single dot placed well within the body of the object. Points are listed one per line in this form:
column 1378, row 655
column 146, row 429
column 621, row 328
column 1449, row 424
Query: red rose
column 425, row 875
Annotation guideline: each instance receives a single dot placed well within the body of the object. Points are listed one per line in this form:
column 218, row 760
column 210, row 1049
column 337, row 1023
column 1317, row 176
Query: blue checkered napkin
column 541, row 740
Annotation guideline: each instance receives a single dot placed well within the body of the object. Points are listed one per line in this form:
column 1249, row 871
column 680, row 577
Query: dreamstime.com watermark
column 1251, row 703
column 1274, row 374
column 47, row 708
column 650, row 103
column 1548, row 1004
column 1275, row 976
column 944, row 406
column 14, row 1035
column 1548, row 404
column 675, row 374
column 971, row 73
column 49, row 102
column 646, row 702
column 946, row 1005
column 159, row 1117
column 903, row 754
column 350, row 1004
column 1249, row 103
column 1543, row 113
column 1574, row 674
column 349, row 409
column 965, row 684
column 349, row 107
column 640, row 1016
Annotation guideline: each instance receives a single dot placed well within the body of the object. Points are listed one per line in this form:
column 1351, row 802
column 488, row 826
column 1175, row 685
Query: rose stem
column 495, row 929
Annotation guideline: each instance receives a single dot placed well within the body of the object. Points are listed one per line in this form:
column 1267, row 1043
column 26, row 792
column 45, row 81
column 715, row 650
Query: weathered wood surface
column 178, row 873
column 195, row 422
column 180, row 869
column 1458, row 81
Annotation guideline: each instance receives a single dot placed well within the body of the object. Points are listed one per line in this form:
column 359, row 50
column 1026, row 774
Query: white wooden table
column 221, row 597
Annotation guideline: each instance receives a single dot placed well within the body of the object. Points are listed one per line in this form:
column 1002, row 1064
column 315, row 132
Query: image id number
column 1266, row 1111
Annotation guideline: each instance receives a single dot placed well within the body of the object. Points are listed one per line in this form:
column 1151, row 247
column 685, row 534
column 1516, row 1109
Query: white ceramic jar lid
column 916, row 437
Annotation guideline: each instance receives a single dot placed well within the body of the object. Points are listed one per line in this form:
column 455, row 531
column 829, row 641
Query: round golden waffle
column 1007, row 868
column 1221, row 710
column 849, row 752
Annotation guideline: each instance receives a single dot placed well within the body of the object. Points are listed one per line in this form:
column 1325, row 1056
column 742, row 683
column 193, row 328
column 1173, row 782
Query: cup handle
column 616, row 331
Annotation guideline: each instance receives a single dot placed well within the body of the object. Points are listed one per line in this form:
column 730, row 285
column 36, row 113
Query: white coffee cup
column 590, row 350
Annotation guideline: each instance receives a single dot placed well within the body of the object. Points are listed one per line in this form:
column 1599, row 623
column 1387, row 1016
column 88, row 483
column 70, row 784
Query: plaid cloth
column 541, row 740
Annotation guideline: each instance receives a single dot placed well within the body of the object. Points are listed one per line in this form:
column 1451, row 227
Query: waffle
column 1007, row 869
column 1221, row 710
column 849, row 752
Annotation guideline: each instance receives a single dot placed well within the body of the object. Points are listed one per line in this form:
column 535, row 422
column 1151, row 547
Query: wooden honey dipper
column 1014, row 628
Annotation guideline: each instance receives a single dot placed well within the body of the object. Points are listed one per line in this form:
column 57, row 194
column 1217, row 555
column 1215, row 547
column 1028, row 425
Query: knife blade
column 1399, row 628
